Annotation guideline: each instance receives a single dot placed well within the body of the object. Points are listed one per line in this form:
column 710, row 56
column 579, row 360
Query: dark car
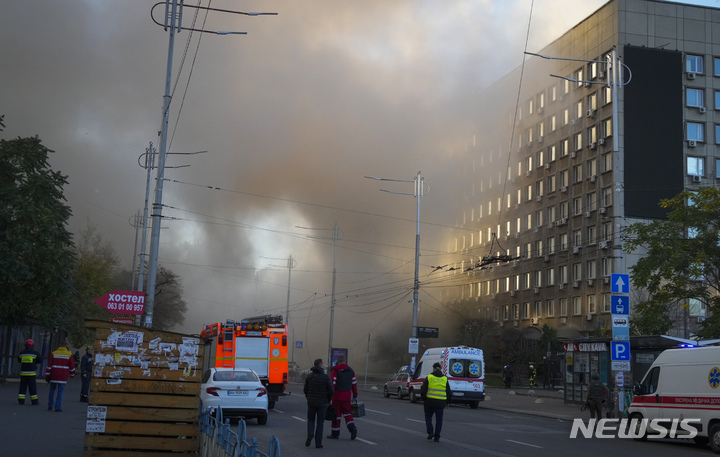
column 397, row 385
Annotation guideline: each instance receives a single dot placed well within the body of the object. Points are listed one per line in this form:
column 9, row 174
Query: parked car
column 397, row 385
column 238, row 392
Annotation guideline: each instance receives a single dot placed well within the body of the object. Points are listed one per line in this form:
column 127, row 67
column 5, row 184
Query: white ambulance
column 682, row 384
column 464, row 367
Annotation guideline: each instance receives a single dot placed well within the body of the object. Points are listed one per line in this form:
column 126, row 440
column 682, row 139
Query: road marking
column 365, row 441
column 278, row 411
column 379, row 412
column 423, row 435
column 299, row 418
column 415, row 420
column 525, row 444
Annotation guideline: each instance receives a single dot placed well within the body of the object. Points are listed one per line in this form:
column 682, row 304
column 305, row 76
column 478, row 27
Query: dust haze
column 293, row 116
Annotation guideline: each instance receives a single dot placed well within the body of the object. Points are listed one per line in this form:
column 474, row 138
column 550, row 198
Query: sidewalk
column 536, row 402
column 33, row 430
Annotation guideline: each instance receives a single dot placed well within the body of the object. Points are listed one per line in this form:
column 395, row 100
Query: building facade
column 567, row 153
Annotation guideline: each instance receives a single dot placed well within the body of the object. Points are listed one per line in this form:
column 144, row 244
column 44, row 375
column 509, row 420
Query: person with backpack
column 345, row 385
column 597, row 392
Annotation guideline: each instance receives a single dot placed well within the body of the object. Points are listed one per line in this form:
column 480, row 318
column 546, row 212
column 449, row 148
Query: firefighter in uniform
column 436, row 395
column 29, row 358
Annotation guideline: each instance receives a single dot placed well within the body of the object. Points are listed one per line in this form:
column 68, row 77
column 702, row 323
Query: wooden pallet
column 144, row 393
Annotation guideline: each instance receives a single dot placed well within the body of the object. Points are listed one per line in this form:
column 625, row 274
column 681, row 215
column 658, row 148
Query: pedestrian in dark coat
column 86, row 366
column 508, row 376
column 318, row 391
column 596, row 395
column 28, row 358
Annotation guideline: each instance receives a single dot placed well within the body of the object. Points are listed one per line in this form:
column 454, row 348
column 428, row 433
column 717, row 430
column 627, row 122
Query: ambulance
column 464, row 367
column 682, row 384
column 259, row 343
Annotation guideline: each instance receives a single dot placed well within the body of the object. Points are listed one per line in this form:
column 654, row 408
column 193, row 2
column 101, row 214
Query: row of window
column 695, row 98
column 696, row 166
column 695, row 131
column 695, row 64
column 575, row 306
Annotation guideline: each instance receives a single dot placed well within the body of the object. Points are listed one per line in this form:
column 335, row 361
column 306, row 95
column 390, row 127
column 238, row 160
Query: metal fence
column 218, row 440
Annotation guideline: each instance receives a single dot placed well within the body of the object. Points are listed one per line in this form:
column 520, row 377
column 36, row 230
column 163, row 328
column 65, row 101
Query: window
column 577, row 141
column 563, row 241
column 538, row 278
column 695, row 97
column 590, row 268
column 553, row 123
column 693, row 64
column 592, row 309
column 577, row 206
column 526, row 310
column 606, row 197
column 717, row 99
column 550, row 308
column 606, row 95
column 716, row 62
column 606, row 128
column 606, row 302
column 591, row 234
column 717, row 168
column 695, row 166
column 592, row 167
column 577, row 272
column 563, row 274
column 607, row 232
column 577, row 306
column 551, row 245
column 516, row 311
column 579, row 76
column 553, row 93
column 538, row 218
column 566, row 86
column 539, row 188
column 563, row 306
column 564, row 147
column 579, row 109
column 551, row 183
column 550, row 276
column 528, row 251
column 607, row 266
column 537, row 309
column 540, row 158
column 529, row 192
column 563, row 209
column 551, row 153
column 565, row 116
column 538, row 249
column 541, row 101
column 592, row 101
column 577, row 174
column 564, row 178
column 607, row 161
column 717, row 134
column 591, row 202
column 593, row 134
column 551, row 214
column 577, row 238
column 592, row 70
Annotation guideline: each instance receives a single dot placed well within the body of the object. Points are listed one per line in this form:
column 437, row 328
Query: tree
column 36, row 256
column 681, row 260
column 170, row 308
column 94, row 276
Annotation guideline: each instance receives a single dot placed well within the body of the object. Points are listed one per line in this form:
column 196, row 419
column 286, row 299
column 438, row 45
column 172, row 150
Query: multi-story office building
column 559, row 165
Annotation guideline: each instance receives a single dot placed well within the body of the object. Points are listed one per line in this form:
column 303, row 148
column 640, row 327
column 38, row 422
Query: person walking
column 345, row 385
column 28, row 358
column 86, row 366
column 508, row 376
column 596, row 395
column 60, row 367
column 318, row 391
column 436, row 395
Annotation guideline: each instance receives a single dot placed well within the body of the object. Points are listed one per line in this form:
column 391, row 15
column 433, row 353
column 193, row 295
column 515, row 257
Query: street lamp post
column 418, row 193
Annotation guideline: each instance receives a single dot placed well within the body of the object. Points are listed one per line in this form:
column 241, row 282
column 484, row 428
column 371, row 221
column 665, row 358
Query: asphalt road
column 391, row 427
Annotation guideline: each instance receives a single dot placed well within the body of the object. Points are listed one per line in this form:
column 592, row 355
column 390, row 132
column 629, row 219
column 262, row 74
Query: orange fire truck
column 259, row 343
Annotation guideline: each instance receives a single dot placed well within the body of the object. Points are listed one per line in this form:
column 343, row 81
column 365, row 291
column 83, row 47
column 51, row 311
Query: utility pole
column 332, row 297
column 290, row 266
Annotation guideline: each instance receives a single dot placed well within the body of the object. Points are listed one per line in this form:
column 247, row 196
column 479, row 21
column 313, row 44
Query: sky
column 293, row 116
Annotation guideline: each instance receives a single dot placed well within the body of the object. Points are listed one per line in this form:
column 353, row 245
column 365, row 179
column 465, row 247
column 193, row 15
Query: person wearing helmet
column 508, row 376
column 28, row 358
column 86, row 366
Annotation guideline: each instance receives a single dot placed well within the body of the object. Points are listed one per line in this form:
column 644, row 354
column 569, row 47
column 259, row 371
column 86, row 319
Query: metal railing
column 217, row 439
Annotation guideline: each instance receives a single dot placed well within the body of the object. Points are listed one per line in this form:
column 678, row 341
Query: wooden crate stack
column 144, row 393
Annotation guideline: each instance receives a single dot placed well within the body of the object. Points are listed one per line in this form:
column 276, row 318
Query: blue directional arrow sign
column 620, row 283
column 620, row 304
column 620, row 350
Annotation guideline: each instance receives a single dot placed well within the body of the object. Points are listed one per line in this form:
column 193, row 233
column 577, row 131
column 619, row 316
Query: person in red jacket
column 60, row 367
column 345, row 385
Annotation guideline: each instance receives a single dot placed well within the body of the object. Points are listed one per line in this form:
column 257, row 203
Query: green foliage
column 682, row 260
column 36, row 257
column 94, row 273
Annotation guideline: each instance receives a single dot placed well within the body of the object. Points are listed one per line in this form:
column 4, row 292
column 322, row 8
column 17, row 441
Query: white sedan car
column 237, row 391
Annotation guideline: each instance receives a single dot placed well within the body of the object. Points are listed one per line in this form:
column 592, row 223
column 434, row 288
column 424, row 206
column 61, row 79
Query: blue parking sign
column 620, row 350
column 620, row 283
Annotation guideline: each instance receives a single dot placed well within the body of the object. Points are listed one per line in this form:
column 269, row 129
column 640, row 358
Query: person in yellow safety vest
column 28, row 358
column 436, row 394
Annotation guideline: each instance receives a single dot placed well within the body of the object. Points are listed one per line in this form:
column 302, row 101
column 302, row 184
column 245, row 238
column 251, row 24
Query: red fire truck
column 259, row 343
